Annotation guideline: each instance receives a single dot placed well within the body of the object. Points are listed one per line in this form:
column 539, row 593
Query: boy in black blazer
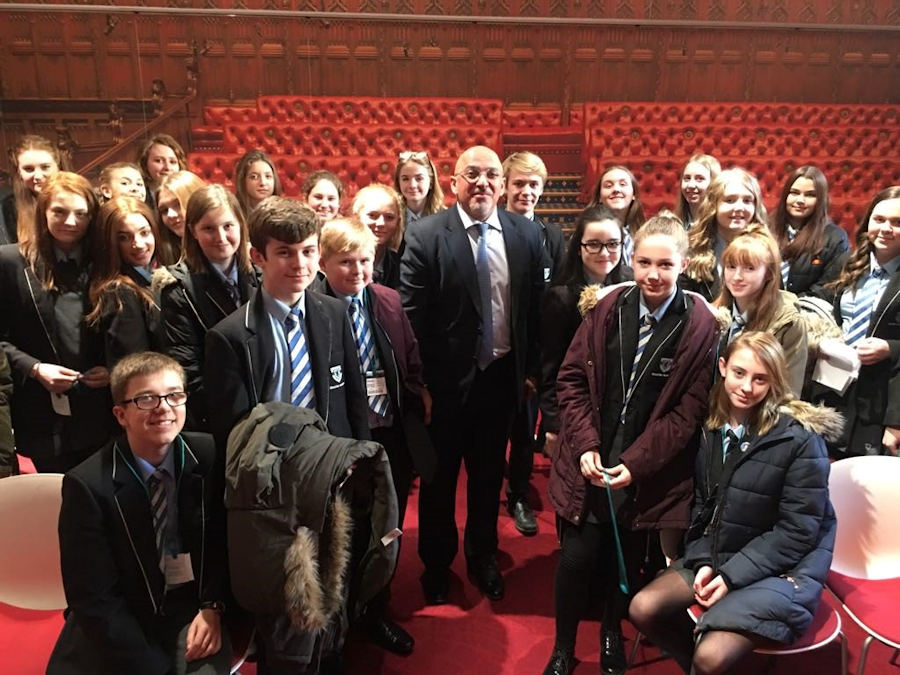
column 142, row 538
column 248, row 354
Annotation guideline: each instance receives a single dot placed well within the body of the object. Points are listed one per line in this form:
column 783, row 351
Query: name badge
column 61, row 404
column 376, row 385
column 177, row 569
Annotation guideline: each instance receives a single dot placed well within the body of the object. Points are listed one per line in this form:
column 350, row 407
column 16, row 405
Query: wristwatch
column 215, row 605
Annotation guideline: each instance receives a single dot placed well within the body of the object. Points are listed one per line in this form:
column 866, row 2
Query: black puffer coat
column 769, row 529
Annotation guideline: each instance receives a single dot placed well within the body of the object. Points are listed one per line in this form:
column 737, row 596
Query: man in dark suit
column 525, row 175
column 471, row 280
column 142, row 539
column 262, row 353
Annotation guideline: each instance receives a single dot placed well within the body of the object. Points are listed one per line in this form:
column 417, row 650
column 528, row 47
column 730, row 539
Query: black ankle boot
column 612, row 652
column 561, row 663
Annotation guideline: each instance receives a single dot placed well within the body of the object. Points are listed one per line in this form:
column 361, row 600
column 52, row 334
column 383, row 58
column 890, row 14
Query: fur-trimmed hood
column 786, row 312
column 827, row 422
column 594, row 293
column 162, row 277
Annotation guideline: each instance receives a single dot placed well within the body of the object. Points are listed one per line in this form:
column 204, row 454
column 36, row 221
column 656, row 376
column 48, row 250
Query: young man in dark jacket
column 142, row 538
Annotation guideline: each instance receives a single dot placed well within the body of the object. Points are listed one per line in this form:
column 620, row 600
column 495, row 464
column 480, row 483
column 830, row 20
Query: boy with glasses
column 141, row 534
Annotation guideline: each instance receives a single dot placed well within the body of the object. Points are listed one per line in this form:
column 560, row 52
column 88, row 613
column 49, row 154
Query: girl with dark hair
column 813, row 249
column 593, row 257
column 415, row 179
column 61, row 407
column 733, row 201
column 618, row 190
column 34, row 159
column 762, row 529
column 751, row 299
column 632, row 393
column 322, row 191
column 255, row 178
column 212, row 280
column 160, row 156
column 125, row 256
column 696, row 177
column 867, row 307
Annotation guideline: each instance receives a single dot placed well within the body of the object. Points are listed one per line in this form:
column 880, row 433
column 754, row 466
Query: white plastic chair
column 30, row 575
column 865, row 571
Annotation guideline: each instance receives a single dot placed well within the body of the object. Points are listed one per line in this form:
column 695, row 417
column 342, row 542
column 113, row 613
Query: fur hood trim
column 162, row 277
column 314, row 577
column 827, row 422
column 593, row 294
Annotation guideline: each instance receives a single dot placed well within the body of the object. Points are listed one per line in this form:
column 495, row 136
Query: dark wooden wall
column 785, row 50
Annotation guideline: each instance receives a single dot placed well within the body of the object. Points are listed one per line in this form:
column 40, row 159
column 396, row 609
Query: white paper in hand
column 837, row 366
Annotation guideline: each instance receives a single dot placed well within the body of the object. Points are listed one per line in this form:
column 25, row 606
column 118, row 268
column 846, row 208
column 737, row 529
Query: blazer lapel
column 259, row 346
column 190, row 496
column 890, row 296
column 460, row 248
column 134, row 509
column 516, row 262
column 319, row 337
column 218, row 296
column 43, row 306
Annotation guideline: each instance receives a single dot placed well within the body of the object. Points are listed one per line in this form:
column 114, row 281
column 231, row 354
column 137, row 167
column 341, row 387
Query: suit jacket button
column 591, row 363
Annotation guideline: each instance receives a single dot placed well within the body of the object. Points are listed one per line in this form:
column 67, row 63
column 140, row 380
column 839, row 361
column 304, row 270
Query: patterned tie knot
column 482, row 227
column 732, row 437
column 879, row 273
column 738, row 320
column 355, row 306
column 292, row 319
column 648, row 320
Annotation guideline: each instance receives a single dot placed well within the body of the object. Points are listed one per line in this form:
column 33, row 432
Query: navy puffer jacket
column 769, row 528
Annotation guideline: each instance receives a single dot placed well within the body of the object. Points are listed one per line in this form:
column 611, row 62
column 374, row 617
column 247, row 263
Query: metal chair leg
column 634, row 648
column 862, row 655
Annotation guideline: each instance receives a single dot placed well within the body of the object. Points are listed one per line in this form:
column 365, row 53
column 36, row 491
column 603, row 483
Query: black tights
column 658, row 612
column 589, row 556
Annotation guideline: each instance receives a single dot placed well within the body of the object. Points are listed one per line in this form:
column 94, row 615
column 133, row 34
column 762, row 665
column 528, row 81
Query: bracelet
column 216, row 605
column 34, row 370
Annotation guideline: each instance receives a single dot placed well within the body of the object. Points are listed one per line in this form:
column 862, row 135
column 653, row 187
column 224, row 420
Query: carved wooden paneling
column 92, row 55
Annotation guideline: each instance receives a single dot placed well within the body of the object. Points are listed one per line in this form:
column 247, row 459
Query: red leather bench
column 378, row 110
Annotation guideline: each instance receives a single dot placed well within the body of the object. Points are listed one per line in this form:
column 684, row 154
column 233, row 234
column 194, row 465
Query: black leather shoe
column 488, row 579
column 561, row 663
column 612, row 652
column 435, row 586
column 523, row 517
column 390, row 636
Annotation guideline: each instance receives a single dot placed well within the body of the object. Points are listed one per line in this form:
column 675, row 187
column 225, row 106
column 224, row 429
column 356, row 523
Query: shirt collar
column 493, row 220
column 891, row 266
column 737, row 431
column 278, row 309
column 735, row 314
column 62, row 256
column 660, row 311
column 229, row 275
column 145, row 272
column 146, row 469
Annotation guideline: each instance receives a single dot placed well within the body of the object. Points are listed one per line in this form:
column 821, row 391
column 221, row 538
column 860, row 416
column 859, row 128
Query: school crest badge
column 546, row 274
column 337, row 374
column 666, row 365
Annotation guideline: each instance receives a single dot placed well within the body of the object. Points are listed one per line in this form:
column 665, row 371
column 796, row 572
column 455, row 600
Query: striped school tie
column 368, row 358
column 627, row 248
column 302, row 394
column 159, row 509
column 644, row 334
column 737, row 327
column 863, row 305
column 786, row 264
column 483, row 272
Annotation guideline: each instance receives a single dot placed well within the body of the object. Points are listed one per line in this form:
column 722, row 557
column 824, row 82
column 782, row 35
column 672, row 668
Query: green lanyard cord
column 620, row 556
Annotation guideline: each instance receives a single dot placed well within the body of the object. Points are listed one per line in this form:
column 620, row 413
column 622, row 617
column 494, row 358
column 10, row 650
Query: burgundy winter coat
column 662, row 477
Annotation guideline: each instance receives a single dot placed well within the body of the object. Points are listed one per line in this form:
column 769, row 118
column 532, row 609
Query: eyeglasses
column 594, row 246
column 471, row 175
column 418, row 156
column 175, row 399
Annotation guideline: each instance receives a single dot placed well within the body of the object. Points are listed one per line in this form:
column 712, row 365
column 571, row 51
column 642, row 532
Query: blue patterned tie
column 737, row 327
column 863, row 305
column 644, row 334
column 785, row 264
column 368, row 358
column 159, row 509
column 302, row 394
column 483, row 272
column 627, row 249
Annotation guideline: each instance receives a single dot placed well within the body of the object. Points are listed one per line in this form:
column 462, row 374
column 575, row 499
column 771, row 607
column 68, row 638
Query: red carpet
column 470, row 635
